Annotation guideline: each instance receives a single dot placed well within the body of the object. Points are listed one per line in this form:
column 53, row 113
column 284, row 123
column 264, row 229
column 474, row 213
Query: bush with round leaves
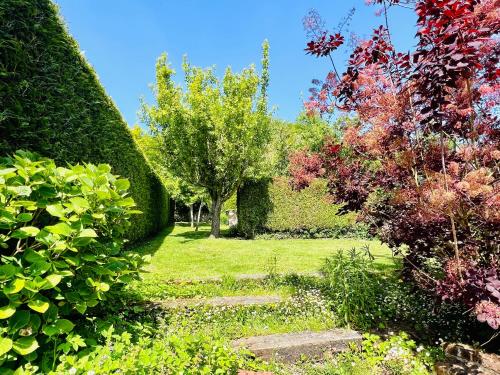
column 61, row 250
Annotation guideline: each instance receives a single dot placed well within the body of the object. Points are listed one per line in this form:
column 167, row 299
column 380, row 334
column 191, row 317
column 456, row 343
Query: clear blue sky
column 123, row 38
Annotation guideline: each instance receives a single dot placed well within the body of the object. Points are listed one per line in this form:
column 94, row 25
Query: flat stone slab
column 222, row 301
column 291, row 347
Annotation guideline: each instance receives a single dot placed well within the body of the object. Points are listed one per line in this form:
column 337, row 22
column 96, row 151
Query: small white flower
column 72, row 371
column 91, row 372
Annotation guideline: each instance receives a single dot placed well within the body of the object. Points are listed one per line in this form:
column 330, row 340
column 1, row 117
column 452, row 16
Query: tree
column 213, row 131
column 427, row 145
column 178, row 189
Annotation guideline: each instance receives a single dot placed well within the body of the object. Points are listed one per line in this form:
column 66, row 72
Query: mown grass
column 183, row 254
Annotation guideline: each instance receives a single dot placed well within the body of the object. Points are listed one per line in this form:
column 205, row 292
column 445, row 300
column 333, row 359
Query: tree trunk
column 216, row 207
column 191, row 216
column 199, row 216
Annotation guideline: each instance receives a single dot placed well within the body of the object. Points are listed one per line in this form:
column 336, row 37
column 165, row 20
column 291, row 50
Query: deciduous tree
column 213, row 131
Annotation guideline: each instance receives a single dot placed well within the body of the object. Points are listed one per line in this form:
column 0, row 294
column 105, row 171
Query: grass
column 183, row 254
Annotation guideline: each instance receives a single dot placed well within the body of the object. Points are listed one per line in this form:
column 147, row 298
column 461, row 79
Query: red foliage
column 303, row 168
column 424, row 162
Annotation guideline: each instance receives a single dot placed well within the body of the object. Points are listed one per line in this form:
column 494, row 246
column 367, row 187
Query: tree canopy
column 213, row 131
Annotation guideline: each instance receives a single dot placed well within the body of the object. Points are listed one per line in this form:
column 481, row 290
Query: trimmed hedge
column 272, row 206
column 52, row 103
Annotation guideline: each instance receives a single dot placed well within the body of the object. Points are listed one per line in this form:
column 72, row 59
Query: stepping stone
column 291, row 347
column 222, row 301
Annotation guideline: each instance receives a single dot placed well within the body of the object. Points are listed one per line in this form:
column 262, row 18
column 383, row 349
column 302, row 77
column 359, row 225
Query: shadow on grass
column 151, row 245
column 202, row 233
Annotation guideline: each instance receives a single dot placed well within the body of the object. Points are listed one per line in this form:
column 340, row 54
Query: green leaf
column 14, row 287
column 33, row 256
column 25, row 232
column 88, row 232
column 56, row 210
column 103, row 287
column 20, row 190
column 60, row 228
column 122, row 184
column 58, row 327
column 7, row 311
column 53, row 280
column 5, row 171
column 79, row 204
column 39, row 303
column 19, row 320
column 25, row 345
column 81, row 307
column 5, row 345
column 24, row 217
column 7, row 271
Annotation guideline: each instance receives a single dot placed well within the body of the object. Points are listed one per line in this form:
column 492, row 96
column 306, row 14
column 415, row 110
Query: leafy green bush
column 170, row 354
column 61, row 235
column 396, row 355
column 53, row 104
column 274, row 207
column 353, row 287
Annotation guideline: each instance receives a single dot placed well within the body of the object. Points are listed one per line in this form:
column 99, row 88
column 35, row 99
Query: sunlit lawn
column 181, row 253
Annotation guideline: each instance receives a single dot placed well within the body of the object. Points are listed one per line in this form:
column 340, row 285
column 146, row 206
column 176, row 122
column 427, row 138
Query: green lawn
column 181, row 253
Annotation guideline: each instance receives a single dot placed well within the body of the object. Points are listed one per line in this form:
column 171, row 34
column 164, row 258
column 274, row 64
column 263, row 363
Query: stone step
column 291, row 347
column 220, row 301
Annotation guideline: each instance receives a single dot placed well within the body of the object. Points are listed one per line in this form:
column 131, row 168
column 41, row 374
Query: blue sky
column 123, row 38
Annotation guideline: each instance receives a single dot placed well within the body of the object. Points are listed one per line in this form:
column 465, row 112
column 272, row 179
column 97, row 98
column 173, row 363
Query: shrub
column 353, row 287
column 61, row 235
column 53, row 104
column 163, row 355
column 273, row 206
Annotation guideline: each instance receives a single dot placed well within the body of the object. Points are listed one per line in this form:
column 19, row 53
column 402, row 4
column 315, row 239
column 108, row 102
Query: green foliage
column 273, row 206
column 53, row 103
column 61, row 234
column 178, row 189
column 306, row 133
column 215, row 130
column 168, row 354
column 353, row 287
column 396, row 355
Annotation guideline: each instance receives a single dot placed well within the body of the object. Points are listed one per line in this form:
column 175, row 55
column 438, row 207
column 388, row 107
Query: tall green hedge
column 51, row 102
column 273, row 206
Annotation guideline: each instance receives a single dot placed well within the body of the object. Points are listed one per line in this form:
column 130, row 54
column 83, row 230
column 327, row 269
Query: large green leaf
column 25, row 345
column 60, row 228
column 56, row 210
column 7, row 271
column 79, row 204
column 53, row 280
column 60, row 326
column 25, row 232
column 88, row 232
column 122, row 184
column 19, row 320
column 5, row 345
column 7, row 311
column 19, row 190
column 14, row 287
column 39, row 303
column 24, row 217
